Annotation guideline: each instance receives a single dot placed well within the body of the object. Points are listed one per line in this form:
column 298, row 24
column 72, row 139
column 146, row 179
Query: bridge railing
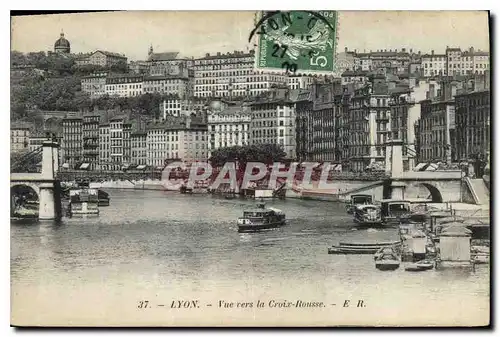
column 27, row 162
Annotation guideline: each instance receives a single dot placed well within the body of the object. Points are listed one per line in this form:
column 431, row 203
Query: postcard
column 304, row 168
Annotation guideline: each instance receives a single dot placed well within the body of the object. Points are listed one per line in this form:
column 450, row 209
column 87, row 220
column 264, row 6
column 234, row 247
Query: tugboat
column 387, row 259
column 261, row 218
column 367, row 215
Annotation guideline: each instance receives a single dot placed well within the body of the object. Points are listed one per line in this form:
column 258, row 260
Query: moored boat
column 387, row 259
column 361, row 248
column 420, row 265
column 103, row 198
column 394, row 210
column 356, row 200
column 83, row 201
column 261, row 218
column 367, row 215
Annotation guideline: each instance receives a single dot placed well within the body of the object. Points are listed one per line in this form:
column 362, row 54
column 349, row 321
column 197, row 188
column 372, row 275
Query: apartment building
column 124, row 85
column 273, row 120
column 72, row 142
column 105, row 147
column 94, row 84
column 90, row 129
column 231, row 75
column 138, row 141
column 229, row 126
column 168, row 85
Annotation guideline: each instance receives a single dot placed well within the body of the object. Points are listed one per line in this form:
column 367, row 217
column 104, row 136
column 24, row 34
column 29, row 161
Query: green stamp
column 296, row 42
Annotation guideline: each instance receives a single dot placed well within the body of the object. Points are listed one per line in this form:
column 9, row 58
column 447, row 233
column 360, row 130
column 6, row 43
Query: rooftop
column 167, row 56
column 235, row 54
column 108, row 53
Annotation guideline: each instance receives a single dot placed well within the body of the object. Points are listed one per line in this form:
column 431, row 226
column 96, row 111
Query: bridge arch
column 18, row 187
column 22, row 191
column 414, row 190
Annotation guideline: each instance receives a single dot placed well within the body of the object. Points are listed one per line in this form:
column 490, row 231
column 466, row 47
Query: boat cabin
column 358, row 199
column 261, row 212
column 395, row 209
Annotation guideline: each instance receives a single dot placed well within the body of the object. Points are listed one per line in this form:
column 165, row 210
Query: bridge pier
column 44, row 183
column 394, row 165
column 47, row 209
column 50, row 203
column 398, row 190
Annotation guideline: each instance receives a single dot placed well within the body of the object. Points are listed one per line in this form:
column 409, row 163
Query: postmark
column 296, row 42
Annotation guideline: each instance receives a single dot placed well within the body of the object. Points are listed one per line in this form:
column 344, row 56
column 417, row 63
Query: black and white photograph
column 258, row 168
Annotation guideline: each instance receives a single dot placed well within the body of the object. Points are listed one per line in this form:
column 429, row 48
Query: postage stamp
column 296, row 42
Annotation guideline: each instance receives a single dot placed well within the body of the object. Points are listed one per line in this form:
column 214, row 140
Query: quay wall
column 338, row 190
column 147, row 184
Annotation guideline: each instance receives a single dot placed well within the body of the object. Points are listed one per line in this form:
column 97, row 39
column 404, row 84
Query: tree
column 262, row 153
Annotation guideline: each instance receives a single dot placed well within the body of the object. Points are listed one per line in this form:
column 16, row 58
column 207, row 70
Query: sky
column 195, row 33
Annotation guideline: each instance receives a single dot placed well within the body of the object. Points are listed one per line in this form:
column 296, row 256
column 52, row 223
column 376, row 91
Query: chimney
column 355, row 51
column 218, row 53
column 345, row 49
column 432, row 52
column 419, row 52
column 403, row 50
column 207, row 54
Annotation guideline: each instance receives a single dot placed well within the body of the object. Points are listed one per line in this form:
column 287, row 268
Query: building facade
column 124, row 86
column 168, row 85
column 116, row 140
column 168, row 64
column 437, row 131
column 72, row 142
column 138, row 141
column 105, row 163
column 473, row 112
column 94, row 85
column 405, row 112
column 36, row 141
column 102, row 58
column 19, row 138
column 434, row 65
column 229, row 127
column 299, row 82
column 231, row 75
column 273, row 121
column 368, row 126
column 90, row 129
column 177, row 138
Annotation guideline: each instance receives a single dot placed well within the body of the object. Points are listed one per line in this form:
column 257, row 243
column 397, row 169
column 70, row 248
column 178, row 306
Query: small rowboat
column 361, row 248
column 387, row 259
column 420, row 266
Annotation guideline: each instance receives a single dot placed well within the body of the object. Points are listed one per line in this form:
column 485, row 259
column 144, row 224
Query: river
column 161, row 247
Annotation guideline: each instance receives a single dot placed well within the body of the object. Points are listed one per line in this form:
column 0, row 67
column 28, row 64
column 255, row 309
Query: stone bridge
column 443, row 186
column 45, row 183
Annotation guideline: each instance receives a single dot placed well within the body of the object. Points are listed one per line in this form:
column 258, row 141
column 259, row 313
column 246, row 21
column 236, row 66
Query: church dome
column 62, row 44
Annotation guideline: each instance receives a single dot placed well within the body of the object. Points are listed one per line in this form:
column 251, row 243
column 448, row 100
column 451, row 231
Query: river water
column 161, row 247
